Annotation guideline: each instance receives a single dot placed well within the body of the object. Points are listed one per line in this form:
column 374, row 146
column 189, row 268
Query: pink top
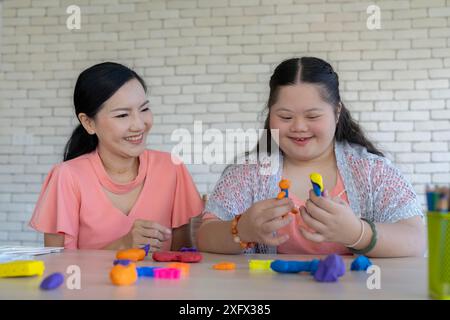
column 73, row 202
column 297, row 243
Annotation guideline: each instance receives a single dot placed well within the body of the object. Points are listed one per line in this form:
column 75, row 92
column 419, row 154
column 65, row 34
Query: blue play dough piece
column 330, row 269
column 286, row 192
column 146, row 248
column 283, row 266
column 52, row 281
column 361, row 263
column 123, row 262
column 146, row 271
column 316, row 189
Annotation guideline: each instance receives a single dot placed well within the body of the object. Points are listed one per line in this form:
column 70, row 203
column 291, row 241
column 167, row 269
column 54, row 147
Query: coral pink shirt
column 297, row 244
column 73, row 201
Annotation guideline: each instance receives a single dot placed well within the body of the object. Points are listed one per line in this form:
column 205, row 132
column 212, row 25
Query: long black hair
column 319, row 72
column 94, row 86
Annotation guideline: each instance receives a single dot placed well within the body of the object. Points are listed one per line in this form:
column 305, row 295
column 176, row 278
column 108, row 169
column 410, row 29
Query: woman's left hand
column 331, row 218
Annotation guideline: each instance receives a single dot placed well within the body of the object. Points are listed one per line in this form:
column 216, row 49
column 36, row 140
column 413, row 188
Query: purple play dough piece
column 146, row 249
column 330, row 269
column 189, row 249
column 123, row 262
column 53, row 281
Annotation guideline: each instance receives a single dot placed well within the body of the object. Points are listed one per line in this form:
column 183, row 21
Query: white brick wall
column 211, row 60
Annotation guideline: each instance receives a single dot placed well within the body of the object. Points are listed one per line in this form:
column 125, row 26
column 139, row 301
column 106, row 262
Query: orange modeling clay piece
column 122, row 275
column 183, row 267
column 133, row 254
column 281, row 195
column 225, row 266
column 284, row 185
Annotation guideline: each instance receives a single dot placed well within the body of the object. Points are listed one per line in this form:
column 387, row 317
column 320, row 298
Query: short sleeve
column 394, row 198
column 57, row 209
column 187, row 202
column 232, row 194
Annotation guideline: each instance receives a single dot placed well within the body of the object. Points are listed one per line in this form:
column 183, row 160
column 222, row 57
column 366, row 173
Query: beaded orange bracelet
column 234, row 232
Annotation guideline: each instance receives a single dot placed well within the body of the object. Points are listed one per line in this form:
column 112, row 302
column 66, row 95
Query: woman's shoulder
column 358, row 155
column 75, row 171
column 247, row 169
column 72, row 165
column 161, row 158
column 238, row 170
column 256, row 174
column 165, row 164
column 361, row 162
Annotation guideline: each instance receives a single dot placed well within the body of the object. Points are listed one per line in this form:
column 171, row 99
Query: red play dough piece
column 176, row 256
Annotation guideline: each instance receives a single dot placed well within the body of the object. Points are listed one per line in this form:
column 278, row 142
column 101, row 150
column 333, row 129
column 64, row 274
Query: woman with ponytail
column 367, row 207
column 110, row 192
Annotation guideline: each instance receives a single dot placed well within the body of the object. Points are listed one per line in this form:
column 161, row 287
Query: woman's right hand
column 260, row 222
column 146, row 232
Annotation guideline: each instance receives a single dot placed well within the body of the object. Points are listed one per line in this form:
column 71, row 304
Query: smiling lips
column 301, row 141
column 135, row 139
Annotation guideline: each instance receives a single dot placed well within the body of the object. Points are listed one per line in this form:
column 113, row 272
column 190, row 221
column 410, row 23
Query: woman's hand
column 331, row 218
column 147, row 232
column 260, row 222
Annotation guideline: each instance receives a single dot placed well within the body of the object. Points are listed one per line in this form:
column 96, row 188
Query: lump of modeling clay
column 361, row 263
column 330, row 269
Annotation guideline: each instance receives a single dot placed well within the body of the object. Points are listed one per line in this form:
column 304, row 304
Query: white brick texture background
column 211, row 60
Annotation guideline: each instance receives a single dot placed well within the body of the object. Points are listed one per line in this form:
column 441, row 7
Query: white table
column 401, row 278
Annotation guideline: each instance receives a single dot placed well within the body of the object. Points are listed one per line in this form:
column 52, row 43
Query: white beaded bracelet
column 360, row 237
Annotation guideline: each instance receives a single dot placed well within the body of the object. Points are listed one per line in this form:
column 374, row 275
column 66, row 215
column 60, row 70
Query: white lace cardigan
column 375, row 188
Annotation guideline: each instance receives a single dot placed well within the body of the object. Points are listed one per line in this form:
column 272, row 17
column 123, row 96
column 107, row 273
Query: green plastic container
column 439, row 255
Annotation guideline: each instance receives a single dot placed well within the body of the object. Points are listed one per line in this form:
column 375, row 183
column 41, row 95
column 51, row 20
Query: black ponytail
column 94, row 86
column 348, row 130
column 80, row 142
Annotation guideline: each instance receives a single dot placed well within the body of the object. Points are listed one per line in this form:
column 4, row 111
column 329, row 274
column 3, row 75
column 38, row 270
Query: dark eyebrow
column 313, row 109
column 128, row 109
column 284, row 109
column 307, row 110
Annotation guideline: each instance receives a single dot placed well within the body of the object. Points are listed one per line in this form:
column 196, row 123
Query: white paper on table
column 5, row 257
column 33, row 251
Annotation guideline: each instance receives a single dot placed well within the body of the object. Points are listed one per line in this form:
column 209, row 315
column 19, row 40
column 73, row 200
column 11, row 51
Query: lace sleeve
column 393, row 196
column 233, row 193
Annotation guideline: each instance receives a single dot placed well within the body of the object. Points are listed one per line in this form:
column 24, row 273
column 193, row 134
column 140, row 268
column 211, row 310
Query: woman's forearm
column 401, row 239
column 181, row 237
column 54, row 240
column 119, row 244
column 215, row 236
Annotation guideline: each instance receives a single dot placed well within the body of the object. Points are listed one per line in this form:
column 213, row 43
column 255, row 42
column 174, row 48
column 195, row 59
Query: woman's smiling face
column 306, row 122
column 123, row 123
